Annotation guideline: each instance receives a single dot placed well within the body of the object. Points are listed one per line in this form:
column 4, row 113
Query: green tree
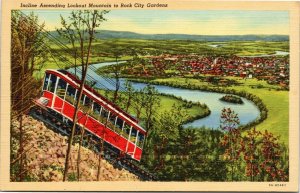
column 166, row 131
column 189, row 154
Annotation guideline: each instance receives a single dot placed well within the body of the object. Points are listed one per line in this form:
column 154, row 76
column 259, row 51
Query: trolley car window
column 133, row 135
column 112, row 118
column 87, row 102
column 52, row 83
column 96, row 111
column 97, row 108
column 87, row 105
column 70, row 94
column 82, row 98
column 141, row 138
column 119, row 123
column 111, row 122
column 104, row 115
column 126, row 130
column 46, row 81
column 61, row 88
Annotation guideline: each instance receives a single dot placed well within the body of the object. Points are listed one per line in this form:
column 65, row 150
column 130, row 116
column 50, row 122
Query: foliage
column 27, row 57
column 231, row 141
column 251, row 153
column 183, row 154
column 272, row 153
column 254, row 156
column 232, row 99
column 72, row 177
column 193, row 156
column 165, row 131
column 263, row 157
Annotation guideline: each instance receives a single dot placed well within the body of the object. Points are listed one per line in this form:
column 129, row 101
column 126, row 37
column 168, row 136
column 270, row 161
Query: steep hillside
column 45, row 156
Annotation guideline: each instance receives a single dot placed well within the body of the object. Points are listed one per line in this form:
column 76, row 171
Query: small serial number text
column 277, row 185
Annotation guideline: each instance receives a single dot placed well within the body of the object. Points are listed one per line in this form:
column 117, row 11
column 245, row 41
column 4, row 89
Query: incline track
column 62, row 126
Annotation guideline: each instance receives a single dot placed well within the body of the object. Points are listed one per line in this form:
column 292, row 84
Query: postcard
column 128, row 95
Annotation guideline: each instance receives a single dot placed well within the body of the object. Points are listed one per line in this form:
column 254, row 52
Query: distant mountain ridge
column 107, row 34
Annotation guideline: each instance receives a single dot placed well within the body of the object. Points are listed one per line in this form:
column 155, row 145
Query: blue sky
column 186, row 22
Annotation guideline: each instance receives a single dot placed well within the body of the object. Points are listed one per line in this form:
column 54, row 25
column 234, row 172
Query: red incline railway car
column 97, row 115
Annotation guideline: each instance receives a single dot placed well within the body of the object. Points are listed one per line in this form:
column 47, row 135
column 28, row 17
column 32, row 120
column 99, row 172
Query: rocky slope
column 45, row 156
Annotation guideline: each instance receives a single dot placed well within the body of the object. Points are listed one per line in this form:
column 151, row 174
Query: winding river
column 277, row 53
column 247, row 112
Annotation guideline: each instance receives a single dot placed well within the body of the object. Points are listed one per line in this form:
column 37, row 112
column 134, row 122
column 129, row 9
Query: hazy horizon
column 184, row 22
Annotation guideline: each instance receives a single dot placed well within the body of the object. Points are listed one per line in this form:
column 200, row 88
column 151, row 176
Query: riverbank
column 274, row 102
column 256, row 100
